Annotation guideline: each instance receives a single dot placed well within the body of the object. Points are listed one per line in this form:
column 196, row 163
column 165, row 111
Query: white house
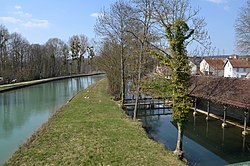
column 194, row 63
column 194, row 68
column 212, row 66
column 236, row 68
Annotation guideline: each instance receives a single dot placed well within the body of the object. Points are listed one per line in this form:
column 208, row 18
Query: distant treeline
column 22, row 61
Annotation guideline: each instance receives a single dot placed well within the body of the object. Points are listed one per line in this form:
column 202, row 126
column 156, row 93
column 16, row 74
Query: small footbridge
column 148, row 106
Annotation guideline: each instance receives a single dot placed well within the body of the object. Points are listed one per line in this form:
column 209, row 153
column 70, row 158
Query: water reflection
column 22, row 111
column 205, row 142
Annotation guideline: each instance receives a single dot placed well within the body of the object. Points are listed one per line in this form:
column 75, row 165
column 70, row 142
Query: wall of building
column 241, row 72
column 204, row 66
column 228, row 70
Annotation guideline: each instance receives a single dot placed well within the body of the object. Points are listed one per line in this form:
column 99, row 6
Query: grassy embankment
column 92, row 130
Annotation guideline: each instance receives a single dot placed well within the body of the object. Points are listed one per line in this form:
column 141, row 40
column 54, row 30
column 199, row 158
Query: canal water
column 24, row 110
column 205, row 143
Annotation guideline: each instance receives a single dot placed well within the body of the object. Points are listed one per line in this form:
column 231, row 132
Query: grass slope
column 92, row 130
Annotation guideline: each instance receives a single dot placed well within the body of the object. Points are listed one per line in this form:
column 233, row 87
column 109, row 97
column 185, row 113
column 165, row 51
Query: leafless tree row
column 132, row 29
column 22, row 61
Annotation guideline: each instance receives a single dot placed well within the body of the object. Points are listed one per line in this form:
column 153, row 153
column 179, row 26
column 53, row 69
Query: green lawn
column 92, row 130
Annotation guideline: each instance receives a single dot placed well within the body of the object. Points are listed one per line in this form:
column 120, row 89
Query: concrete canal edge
column 8, row 87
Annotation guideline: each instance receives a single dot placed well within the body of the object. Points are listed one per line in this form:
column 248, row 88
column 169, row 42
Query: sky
column 40, row 20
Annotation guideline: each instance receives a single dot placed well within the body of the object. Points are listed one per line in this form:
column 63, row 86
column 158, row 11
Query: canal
column 205, row 143
column 24, row 110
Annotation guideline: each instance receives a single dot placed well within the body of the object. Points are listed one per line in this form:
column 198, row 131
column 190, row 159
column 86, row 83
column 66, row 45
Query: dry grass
column 92, row 130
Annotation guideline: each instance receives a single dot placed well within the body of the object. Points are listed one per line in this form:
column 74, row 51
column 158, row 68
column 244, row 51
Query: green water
column 205, row 143
column 23, row 111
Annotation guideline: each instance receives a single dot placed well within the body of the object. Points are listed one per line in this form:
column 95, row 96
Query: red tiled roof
column 225, row 90
column 239, row 63
column 217, row 63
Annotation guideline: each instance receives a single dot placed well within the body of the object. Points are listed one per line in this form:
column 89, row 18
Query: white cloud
column 32, row 23
column 217, row 1
column 22, row 14
column 12, row 20
column 224, row 3
column 35, row 23
column 96, row 14
column 18, row 7
column 23, row 19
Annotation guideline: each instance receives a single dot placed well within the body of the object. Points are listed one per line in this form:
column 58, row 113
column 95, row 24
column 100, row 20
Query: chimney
column 234, row 56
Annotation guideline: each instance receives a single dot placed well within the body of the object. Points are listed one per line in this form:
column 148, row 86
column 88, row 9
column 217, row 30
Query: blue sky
column 39, row 20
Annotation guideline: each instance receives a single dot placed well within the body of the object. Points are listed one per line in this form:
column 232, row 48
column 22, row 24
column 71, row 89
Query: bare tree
column 242, row 28
column 109, row 62
column 36, row 67
column 54, row 50
column 78, row 46
column 181, row 26
column 4, row 37
column 18, row 52
column 141, row 31
column 113, row 24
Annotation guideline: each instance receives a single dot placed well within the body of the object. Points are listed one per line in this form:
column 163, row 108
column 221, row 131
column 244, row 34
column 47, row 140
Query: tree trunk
column 138, row 80
column 79, row 61
column 136, row 104
column 178, row 150
column 122, row 75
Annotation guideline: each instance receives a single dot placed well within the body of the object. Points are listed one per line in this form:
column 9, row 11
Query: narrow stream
column 24, row 110
column 204, row 143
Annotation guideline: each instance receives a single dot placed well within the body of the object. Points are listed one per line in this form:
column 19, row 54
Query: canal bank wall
column 8, row 87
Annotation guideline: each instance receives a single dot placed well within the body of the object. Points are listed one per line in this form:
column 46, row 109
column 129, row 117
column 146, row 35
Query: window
column 237, row 69
column 243, row 76
column 230, row 69
column 244, row 69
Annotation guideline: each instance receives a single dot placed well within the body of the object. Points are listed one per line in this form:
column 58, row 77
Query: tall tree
column 18, row 52
column 37, row 62
column 91, row 55
column 177, row 33
column 4, row 37
column 109, row 62
column 181, row 26
column 141, row 22
column 78, row 47
column 112, row 24
column 242, row 28
column 55, row 51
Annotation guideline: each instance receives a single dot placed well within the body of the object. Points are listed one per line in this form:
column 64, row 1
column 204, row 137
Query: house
column 238, row 68
column 212, row 66
column 194, row 67
column 194, row 63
